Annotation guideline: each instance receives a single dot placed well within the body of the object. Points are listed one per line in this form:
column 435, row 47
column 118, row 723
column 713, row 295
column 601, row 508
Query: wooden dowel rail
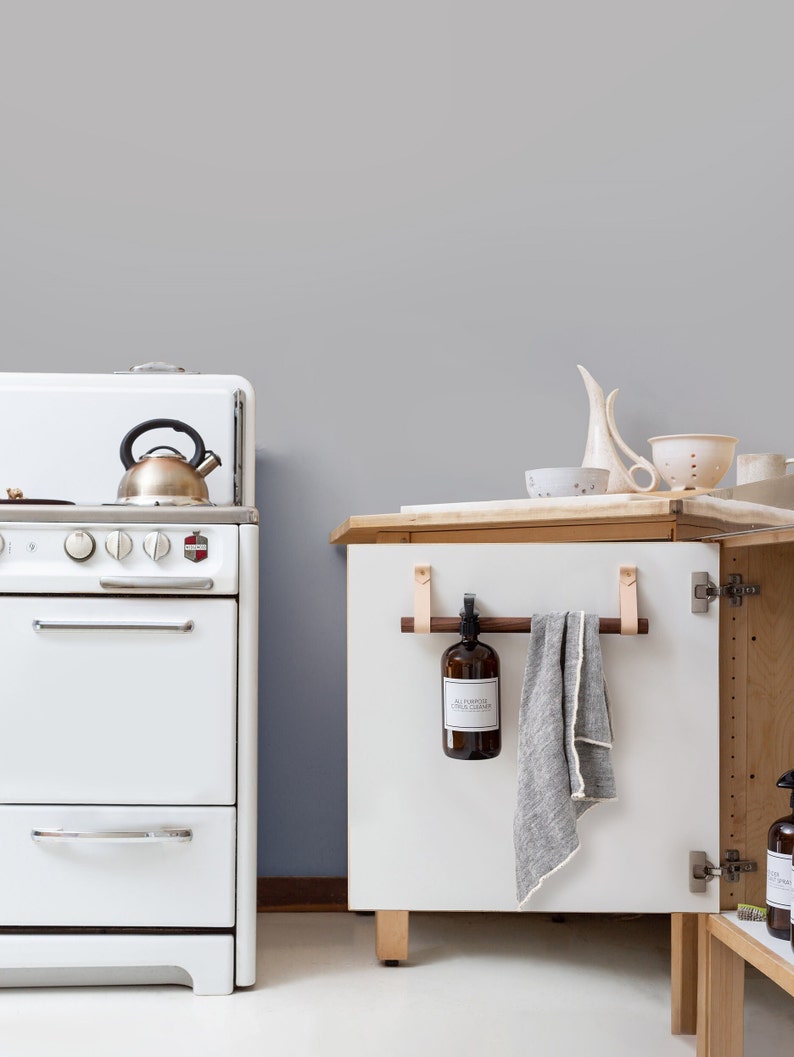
column 606, row 625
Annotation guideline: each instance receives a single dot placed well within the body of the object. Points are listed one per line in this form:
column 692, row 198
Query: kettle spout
column 210, row 462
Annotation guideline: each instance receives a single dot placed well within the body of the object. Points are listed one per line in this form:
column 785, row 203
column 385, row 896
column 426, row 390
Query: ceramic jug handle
column 639, row 462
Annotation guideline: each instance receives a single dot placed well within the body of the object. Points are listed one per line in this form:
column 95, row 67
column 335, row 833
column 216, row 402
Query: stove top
column 13, row 510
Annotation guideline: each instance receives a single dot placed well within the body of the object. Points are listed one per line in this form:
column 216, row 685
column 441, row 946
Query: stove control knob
column 79, row 545
column 118, row 545
column 2, row 544
column 157, row 545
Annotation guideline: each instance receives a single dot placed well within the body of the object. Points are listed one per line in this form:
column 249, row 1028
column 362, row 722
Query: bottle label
column 471, row 704
column 778, row 880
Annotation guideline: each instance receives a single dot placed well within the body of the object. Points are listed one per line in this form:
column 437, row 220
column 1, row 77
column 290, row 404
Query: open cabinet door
column 430, row 833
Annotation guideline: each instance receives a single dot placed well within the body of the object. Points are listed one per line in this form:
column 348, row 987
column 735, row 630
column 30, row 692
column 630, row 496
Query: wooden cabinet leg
column 721, row 1016
column 683, row 973
column 391, row 936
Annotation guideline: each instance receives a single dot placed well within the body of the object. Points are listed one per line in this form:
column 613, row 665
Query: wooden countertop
column 691, row 515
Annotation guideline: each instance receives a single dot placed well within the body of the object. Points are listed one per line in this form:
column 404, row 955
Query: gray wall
column 406, row 223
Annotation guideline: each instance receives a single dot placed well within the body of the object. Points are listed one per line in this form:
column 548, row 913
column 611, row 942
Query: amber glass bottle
column 470, row 693
column 780, row 846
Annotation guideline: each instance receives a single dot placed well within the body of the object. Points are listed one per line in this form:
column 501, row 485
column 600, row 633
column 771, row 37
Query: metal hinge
column 704, row 591
column 701, row 871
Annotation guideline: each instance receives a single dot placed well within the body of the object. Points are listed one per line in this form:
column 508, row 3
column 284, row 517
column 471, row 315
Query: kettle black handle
column 125, row 451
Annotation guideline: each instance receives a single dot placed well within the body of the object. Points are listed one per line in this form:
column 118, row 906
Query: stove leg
column 391, row 936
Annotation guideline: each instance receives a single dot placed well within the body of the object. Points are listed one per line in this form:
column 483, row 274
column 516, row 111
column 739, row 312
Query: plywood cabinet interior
column 757, row 721
column 756, row 747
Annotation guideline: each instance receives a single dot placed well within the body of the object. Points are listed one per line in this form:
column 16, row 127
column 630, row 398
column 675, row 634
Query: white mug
column 760, row 467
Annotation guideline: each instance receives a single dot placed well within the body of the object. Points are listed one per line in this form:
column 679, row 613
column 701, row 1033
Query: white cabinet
column 430, row 833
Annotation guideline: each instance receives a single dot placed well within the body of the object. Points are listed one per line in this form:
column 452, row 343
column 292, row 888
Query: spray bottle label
column 778, row 880
column 471, row 704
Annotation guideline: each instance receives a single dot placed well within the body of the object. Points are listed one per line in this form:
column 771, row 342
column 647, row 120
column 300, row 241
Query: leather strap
column 628, row 600
column 422, row 599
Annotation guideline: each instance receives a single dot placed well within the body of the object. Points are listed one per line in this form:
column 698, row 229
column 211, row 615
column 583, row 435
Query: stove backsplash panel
column 60, row 435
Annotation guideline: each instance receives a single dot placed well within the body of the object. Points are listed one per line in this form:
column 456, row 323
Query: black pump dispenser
column 470, row 619
column 780, row 846
column 786, row 781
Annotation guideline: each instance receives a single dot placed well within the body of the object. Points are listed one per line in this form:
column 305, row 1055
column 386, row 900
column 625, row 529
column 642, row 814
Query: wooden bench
column 725, row 945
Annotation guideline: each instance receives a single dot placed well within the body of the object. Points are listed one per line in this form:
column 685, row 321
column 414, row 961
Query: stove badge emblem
column 196, row 548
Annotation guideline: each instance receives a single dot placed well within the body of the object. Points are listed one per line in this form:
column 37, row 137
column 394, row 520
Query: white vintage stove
column 128, row 715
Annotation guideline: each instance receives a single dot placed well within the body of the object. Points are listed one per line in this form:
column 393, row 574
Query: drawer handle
column 113, row 836
column 184, row 628
column 148, row 583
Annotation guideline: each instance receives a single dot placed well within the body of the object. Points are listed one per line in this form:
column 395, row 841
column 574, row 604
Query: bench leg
column 721, row 999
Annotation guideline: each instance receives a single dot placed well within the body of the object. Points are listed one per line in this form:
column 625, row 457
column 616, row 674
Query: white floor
column 475, row 985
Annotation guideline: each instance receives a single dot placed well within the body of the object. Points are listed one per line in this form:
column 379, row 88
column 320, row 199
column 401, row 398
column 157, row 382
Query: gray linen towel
column 564, row 745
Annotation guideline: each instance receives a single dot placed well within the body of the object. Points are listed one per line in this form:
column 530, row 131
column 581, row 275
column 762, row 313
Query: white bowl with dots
column 560, row 481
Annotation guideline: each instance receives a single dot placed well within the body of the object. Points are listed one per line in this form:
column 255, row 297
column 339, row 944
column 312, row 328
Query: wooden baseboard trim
column 301, row 894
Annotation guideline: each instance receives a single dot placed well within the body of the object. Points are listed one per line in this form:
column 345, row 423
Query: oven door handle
column 183, row 628
column 167, row 835
column 146, row 583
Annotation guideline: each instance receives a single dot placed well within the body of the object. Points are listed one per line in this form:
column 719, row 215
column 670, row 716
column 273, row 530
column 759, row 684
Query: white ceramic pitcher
column 602, row 436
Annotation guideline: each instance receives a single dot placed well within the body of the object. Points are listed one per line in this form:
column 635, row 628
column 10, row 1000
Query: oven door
column 118, row 700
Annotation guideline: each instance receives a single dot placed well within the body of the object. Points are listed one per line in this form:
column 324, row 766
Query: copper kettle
column 163, row 476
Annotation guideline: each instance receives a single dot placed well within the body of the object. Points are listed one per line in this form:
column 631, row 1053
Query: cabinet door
column 430, row 833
